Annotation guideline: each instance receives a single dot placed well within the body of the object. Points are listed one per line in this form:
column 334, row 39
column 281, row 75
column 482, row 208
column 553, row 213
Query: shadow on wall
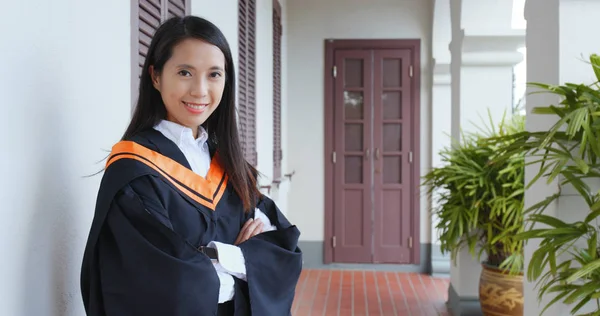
column 50, row 236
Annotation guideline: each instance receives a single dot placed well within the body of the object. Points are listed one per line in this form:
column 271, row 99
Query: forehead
column 197, row 52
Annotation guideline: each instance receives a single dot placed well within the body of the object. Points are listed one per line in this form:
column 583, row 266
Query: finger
column 258, row 229
column 243, row 231
column 250, row 231
column 247, row 224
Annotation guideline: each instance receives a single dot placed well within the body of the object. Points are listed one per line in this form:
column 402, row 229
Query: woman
column 180, row 227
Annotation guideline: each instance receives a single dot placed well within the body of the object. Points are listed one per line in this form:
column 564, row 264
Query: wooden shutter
column 146, row 17
column 247, row 78
column 242, row 74
column 176, row 8
column 277, row 33
column 149, row 19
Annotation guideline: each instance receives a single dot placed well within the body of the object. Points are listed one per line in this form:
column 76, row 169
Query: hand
column 250, row 229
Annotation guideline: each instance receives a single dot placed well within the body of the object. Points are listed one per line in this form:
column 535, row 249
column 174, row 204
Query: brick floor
column 357, row 293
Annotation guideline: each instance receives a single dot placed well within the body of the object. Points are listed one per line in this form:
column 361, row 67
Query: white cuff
column 231, row 259
column 227, row 285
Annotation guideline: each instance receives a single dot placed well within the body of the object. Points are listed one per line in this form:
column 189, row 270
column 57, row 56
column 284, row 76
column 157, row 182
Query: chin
column 199, row 122
column 193, row 125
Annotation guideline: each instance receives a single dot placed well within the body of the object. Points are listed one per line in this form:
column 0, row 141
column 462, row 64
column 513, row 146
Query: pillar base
column 463, row 306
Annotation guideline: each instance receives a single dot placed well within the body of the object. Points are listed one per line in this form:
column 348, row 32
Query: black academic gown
column 152, row 215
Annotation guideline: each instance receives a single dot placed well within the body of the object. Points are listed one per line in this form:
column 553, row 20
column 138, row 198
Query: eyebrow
column 186, row 66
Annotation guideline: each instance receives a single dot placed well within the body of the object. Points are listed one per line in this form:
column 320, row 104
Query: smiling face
column 191, row 82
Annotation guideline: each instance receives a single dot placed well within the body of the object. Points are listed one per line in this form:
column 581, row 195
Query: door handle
column 367, row 154
column 377, row 153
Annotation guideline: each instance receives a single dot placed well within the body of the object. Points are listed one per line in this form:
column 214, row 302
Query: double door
column 373, row 219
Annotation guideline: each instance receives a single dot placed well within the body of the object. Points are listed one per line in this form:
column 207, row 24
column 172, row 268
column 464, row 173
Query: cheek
column 176, row 91
column 217, row 92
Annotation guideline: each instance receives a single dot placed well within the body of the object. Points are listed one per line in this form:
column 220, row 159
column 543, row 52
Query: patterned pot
column 500, row 294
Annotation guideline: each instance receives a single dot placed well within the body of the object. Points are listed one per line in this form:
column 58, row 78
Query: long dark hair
column 221, row 125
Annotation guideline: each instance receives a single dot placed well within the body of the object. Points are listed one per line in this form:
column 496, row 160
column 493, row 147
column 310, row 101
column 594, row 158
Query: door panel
column 352, row 174
column 392, row 99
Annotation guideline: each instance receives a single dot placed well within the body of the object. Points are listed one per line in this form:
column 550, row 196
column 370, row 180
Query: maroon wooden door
column 353, row 183
column 371, row 155
column 391, row 135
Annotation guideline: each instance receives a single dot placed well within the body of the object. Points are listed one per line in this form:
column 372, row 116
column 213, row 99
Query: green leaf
column 548, row 220
column 557, row 298
column 580, row 305
column 593, row 246
column 595, row 61
column 585, row 270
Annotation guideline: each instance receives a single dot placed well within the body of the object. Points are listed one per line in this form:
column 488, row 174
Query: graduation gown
column 153, row 213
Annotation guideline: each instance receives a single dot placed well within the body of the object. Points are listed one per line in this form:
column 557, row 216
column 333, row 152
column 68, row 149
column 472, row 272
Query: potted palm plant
column 480, row 208
column 566, row 265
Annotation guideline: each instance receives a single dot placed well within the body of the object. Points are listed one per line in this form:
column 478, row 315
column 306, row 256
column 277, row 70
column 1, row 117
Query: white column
column 440, row 114
column 481, row 72
column 558, row 36
column 462, row 294
column 440, row 131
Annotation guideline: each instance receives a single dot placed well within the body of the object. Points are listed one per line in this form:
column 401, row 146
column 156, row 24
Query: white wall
column 494, row 94
column 264, row 87
column 442, row 32
column 488, row 17
column 286, row 185
column 65, row 86
column 310, row 22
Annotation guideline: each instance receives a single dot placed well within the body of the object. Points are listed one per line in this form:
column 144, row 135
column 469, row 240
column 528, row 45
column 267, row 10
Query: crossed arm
column 231, row 262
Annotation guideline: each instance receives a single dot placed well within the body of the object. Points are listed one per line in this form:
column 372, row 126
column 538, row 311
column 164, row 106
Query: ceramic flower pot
column 500, row 294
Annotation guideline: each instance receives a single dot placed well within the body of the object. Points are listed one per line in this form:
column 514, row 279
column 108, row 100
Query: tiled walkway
column 361, row 293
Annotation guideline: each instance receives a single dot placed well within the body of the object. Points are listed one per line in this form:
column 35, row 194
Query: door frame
column 414, row 45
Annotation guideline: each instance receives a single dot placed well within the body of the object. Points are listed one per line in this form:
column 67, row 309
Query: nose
column 200, row 87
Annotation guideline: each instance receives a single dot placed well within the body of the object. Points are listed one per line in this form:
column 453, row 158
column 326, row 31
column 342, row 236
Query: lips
column 195, row 107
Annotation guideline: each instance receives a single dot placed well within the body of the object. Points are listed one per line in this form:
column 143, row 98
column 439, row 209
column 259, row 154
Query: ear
column 155, row 78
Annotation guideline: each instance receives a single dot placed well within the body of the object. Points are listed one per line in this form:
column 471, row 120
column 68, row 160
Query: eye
column 216, row 74
column 184, row 73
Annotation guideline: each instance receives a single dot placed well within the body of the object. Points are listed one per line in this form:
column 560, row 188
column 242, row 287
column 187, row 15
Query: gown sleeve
column 273, row 264
column 145, row 267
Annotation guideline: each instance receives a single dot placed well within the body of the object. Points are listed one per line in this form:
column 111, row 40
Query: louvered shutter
column 150, row 14
column 247, row 78
column 149, row 19
column 176, row 8
column 277, row 33
column 242, row 74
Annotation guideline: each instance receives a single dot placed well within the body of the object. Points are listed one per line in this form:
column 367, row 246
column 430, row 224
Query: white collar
column 180, row 134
